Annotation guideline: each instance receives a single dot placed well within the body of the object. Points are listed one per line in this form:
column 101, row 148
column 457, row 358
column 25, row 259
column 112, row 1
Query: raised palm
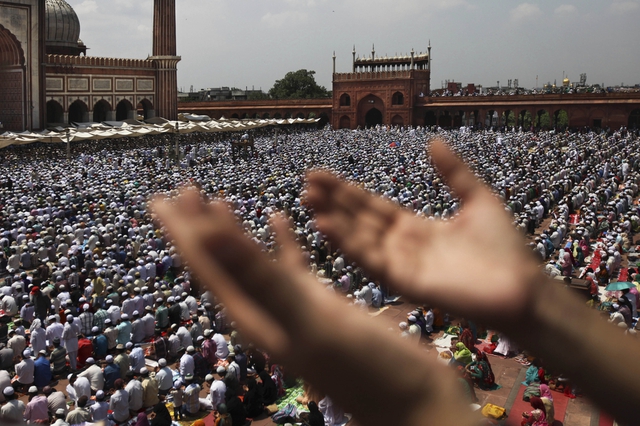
column 475, row 265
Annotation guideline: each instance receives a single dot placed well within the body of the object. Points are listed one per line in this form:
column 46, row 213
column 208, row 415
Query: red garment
column 85, row 350
column 541, row 375
column 466, row 337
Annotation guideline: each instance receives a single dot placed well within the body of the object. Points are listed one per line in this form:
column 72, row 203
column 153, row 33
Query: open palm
column 475, row 265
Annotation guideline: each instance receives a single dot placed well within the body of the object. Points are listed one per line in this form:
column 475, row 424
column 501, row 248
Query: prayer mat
column 392, row 299
column 188, row 421
column 443, row 343
column 378, row 312
column 605, row 420
column 560, row 403
column 486, row 347
column 290, row 396
column 624, row 275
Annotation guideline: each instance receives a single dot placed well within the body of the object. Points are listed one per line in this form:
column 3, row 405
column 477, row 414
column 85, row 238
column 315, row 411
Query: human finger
column 216, row 232
column 290, row 255
column 456, row 172
column 349, row 215
column 248, row 313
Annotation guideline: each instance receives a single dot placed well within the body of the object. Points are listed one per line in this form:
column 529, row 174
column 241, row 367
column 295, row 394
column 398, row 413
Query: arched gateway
column 12, row 82
column 370, row 111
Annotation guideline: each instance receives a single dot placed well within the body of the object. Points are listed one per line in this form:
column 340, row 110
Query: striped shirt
column 191, row 398
column 99, row 318
column 58, row 358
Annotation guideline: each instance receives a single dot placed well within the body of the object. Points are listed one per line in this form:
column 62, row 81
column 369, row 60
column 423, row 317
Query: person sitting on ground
column 42, row 370
column 81, row 414
column 461, row 355
column 315, row 416
column 149, row 388
column 400, row 249
column 537, row 416
column 58, row 359
column 37, row 410
column 142, row 420
column 135, row 392
column 119, row 403
column 13, row 409
column 222, row 416
column 25, row 371
column 100, row 408
column 60, row 416
column 547, row 400
column 253, row 403
column 160, row 415
column 481, row 373
column 467, row 336
column 111, row 373
column 235, row 408
column 268, row 388
column 55, row 400
column 191, row 399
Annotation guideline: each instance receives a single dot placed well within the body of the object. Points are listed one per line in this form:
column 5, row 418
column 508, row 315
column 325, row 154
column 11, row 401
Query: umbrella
column 621, row 285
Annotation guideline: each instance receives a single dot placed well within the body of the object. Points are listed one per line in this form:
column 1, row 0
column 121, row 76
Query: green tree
column 257, row 95
column 299, row 84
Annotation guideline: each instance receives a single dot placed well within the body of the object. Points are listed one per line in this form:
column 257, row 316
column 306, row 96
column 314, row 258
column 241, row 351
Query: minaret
column 429, row 50
column 354, row 58
column 164, row 56
column 334, row 61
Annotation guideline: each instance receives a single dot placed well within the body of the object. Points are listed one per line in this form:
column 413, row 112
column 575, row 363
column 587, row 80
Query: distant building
column 46, row 78
column 220, row 94
column 380, row 90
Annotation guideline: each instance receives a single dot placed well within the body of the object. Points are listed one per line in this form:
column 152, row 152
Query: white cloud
column 623, row 7
column 86, row 7
column 525, row 11
column 565, row 10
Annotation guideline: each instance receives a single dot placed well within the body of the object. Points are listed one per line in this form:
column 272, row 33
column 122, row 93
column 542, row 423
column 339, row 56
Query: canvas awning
column 119, row 129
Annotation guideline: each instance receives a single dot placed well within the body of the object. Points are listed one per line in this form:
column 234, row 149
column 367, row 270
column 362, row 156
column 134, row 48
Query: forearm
column 397, row 378
column 577, row 341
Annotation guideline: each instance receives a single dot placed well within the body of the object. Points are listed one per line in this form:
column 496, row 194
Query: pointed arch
column 124, row 110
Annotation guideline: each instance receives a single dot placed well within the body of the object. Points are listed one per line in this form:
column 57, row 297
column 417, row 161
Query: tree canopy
column 299, row 84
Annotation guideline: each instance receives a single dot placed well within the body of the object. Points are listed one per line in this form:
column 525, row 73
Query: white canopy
column 113, row 130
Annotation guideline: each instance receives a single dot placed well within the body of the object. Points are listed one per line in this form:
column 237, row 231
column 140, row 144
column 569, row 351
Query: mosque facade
column 380, row 90
column 396, row 91
column 46, row 78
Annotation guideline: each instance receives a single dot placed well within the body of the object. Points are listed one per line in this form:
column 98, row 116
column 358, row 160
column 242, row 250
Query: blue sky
column 252, row 43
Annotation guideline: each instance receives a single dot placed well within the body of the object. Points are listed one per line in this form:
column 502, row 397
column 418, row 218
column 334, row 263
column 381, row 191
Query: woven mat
column 290, row 398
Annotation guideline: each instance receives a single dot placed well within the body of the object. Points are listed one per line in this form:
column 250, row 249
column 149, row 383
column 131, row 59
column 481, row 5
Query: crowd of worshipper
column 93, row 292
column 521, row 91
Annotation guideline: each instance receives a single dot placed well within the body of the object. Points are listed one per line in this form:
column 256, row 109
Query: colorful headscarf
column 462, row 355
column 545, row 392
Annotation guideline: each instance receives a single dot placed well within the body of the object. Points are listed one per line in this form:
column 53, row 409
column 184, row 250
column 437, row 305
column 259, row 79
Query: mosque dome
column 62, row 29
